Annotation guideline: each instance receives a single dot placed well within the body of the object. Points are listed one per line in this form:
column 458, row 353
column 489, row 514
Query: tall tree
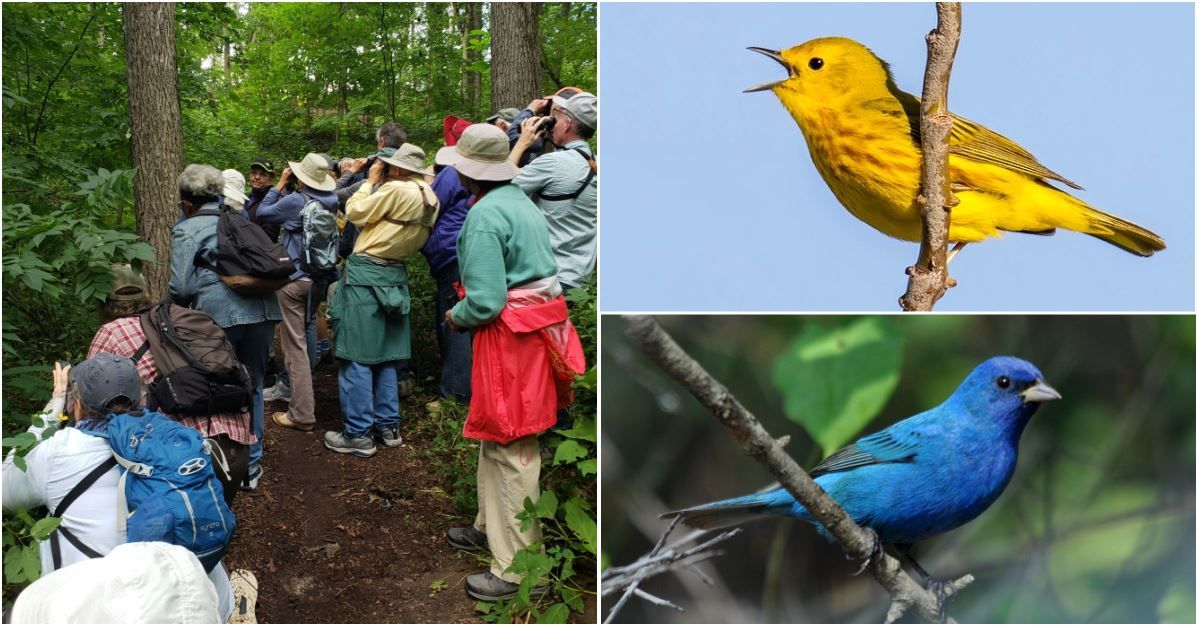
column 156, row 127
column 515, row 53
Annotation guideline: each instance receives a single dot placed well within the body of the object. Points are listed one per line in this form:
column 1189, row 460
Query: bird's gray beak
column 776, row 56
column 1040, row 392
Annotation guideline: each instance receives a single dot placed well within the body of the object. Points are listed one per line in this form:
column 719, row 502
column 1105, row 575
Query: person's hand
column 528, row 130
column 538, row 106
column 449, row 322
column 376, row 171
column 359, row 164
column 283, row 178
column 62, row 376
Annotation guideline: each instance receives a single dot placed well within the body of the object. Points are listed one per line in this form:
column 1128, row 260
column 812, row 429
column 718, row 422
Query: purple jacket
column 441, row 247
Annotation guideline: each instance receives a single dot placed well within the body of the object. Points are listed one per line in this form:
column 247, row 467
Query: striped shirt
column 123, row 337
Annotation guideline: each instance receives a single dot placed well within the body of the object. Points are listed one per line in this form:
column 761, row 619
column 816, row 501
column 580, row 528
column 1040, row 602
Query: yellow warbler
column 863, row 135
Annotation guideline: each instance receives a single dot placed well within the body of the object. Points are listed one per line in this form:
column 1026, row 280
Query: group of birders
column 149, row 440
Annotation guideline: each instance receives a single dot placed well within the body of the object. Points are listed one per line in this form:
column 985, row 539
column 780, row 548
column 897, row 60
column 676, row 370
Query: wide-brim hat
column 481, row 154
column 313, row 171
column 234, row 185
column 143, row 582
column 127, row 285
column 407, row 156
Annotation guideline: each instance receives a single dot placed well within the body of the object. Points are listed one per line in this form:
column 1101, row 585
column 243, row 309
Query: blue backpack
column 169, row 488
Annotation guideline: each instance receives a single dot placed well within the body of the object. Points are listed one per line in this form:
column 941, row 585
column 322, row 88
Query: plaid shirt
column 123, row 337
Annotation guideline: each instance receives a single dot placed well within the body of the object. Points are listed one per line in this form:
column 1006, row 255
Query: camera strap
column 425, row 221
column 76, row 491
column 585, row 183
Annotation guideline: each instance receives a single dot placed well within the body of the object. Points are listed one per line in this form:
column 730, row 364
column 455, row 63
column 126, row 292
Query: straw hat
column 481, row 154
column 313, row 171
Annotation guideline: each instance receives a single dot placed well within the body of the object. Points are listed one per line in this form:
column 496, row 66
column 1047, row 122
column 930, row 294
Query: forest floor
column 334, row 538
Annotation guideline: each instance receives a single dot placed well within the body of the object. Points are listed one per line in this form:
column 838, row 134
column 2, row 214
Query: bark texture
column 155, row 123
column 929, row 275
column 514, row 54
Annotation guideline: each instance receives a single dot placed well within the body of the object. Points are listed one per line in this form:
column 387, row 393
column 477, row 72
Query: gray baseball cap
column 105, row 378
column 507, row 115
column 582, row 107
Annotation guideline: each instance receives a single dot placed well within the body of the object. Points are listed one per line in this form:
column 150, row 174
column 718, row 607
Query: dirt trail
column 340, row 539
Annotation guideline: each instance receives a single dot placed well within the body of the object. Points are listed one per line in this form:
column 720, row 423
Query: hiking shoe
column 245, row 597
column 280, row 392
column 388, row 436
column 407, row 387
column 468, row 539
column 490, row 588
column 252, row 477
column 343, row 443
column 283, row 419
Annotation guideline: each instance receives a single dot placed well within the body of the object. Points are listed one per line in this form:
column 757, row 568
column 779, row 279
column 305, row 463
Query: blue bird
column 922, row 476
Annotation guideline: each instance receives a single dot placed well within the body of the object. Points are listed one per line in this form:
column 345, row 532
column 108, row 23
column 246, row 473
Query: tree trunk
column 155, row 124
column 473, row 22
column 514, row 54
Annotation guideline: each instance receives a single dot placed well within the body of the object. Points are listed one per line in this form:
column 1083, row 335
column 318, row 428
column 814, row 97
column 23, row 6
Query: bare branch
column 857, row 542
column 929, row 275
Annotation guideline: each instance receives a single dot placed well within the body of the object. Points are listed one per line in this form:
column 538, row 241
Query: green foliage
column 834, row 381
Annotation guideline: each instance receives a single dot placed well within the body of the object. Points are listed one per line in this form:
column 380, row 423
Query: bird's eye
column 1003, row 382
column 815, row 63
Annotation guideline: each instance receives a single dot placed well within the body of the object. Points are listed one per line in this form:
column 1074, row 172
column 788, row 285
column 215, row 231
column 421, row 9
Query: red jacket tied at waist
column 524, row 366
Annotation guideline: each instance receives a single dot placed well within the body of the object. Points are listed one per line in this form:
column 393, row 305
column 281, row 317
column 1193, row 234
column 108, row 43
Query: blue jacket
column 200, row 288
column 441, row 247
column 287, row 210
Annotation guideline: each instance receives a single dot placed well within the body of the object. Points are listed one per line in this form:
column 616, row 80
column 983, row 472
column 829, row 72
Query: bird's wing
column 887, row 446
column 968, row 139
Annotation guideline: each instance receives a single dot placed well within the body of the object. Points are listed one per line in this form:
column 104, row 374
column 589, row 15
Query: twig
column 858, row 543
column 929, row 275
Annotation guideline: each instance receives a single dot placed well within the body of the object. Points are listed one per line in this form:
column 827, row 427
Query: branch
column 857, row 542
column 37, row 126
column 929, row 275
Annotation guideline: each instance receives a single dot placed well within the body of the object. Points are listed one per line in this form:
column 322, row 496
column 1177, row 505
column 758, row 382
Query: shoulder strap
column 585, row 183
column 423, row 222
column 145, row 347
column 76, row 491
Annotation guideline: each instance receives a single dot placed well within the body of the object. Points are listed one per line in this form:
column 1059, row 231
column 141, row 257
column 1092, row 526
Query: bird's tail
column 1126, row 235
column 735, row 511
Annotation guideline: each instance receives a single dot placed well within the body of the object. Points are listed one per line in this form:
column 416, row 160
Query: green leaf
column 1177, row 606
column 44, row 527
column 573, row 598
column 569, row 451
column 834, row 381
column 555, row 614
column 19, row 461
column 589, row 467
column 582, row 524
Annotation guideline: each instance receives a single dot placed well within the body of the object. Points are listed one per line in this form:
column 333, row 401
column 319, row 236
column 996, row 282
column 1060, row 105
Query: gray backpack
column 320, row 240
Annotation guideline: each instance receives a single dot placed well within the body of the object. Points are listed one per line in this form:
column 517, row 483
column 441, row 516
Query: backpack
column 321, row 238
column 410, row 240
column 168, row 492
column 198, row 373
column 247, row 261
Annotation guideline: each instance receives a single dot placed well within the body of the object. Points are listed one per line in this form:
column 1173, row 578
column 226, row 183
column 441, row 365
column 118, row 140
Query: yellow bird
column 863, row 135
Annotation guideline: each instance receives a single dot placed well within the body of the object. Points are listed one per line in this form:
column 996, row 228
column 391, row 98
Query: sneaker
column 468, row 539
column 250, row 482
column 245, row 597
column 343, row 443
column 280, row 392
column 490, row 588
column 283, row 419
column 407, row 387
column 388, row 437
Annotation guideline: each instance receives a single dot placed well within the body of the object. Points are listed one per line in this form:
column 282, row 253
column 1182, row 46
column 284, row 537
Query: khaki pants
column 506, row 475
column 293, row 303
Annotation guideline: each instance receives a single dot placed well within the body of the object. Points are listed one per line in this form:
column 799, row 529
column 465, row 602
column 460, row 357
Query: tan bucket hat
column 409, row 157
column 481, row 154
column 313, row 171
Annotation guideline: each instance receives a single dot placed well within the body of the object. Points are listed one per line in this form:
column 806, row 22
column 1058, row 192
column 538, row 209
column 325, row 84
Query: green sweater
column 504, row 243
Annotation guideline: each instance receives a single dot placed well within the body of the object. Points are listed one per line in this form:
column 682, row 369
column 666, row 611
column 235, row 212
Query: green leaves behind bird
column 834, row 381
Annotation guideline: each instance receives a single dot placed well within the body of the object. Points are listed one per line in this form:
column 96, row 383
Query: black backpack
column 198, row 373
column 247, row 261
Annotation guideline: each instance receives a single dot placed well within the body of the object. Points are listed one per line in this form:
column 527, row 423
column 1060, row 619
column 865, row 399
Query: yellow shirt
column 396, row 199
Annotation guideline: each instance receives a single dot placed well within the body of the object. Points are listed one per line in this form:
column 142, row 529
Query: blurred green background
column 1097, row 524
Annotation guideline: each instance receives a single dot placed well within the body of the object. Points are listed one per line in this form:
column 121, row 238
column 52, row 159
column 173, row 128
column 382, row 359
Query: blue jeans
column 251, row 343
column 369, row 396
column 456, row 355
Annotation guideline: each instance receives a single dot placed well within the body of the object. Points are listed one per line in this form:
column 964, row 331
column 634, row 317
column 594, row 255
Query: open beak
column 1040, row 392
column 776, row 56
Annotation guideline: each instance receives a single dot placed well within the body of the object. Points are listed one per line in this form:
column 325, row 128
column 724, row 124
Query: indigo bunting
column 922, row 476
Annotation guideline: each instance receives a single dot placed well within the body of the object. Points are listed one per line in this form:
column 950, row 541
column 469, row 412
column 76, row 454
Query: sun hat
column 507, row 115
column 454, row 126
column 126, row 285
column 106, row 377
column 582, row 107
column 407, row 156
column 262, row 164
column 313, row 171
column 234, row 186
column 144, row 582
column 481, row 154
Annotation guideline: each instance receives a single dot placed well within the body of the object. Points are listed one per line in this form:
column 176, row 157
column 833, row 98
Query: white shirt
column 54, row 467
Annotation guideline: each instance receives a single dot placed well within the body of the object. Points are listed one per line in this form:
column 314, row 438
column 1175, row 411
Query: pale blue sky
column 710, row 201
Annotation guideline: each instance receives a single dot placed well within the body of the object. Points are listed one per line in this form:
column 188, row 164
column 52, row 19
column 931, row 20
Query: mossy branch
column 929, row 275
